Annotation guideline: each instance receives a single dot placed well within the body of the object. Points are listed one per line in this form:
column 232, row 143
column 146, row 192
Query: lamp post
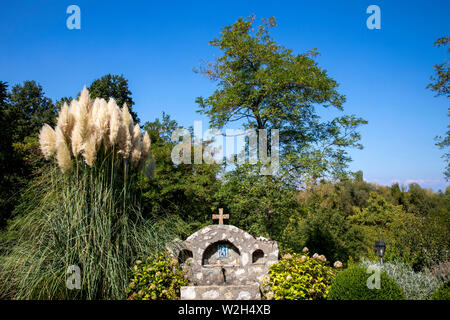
column 380, row 246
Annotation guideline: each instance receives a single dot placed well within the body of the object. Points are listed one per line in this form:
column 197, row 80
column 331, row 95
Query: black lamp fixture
column 380, row 246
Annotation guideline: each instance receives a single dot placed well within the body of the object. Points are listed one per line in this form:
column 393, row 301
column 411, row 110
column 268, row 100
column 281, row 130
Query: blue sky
column 155, row 45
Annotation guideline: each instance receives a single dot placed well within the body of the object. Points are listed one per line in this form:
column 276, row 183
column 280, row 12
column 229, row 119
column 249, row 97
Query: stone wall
column 247, row 260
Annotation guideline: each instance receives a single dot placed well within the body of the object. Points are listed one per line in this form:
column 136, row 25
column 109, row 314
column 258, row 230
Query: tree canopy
column 441, row 80
column 441, row 86
column 265, row 86
column 30, row 109
column 185, row 190
column 23, row 111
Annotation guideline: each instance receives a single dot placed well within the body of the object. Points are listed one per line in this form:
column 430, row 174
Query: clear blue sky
column 155, row 44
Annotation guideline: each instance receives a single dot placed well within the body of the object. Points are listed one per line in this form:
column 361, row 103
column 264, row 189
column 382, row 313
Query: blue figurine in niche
column 222, row 250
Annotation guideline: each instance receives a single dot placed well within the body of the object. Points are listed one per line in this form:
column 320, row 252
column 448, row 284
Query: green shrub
column 443, row 293
column 351, row 284
column 158, row 279
column 297, row 277
column 415, row 285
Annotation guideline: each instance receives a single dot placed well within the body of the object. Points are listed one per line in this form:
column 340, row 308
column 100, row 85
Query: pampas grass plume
column 76, row 139
column 47, row 140
column 84, row 99
column 115, row 122
column 127, row 120
column 136, row 145
column 90, row 149
column 103, row 121
column 86, row 125
column 125, row 133
column 146, row 142
column 146, row 145
column 62, row 152
column 81, row 126
column 65, row 120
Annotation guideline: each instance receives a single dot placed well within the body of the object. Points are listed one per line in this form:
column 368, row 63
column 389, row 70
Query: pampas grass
column 95, row 127
column 114, row 121
column 84, row 210
column 65, row 121
column 80, row 220
column 136, row 151
column 47, row 140
column 62, row 151
column 125, row 133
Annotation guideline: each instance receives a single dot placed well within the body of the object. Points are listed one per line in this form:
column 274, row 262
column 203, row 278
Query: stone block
column 228, row 292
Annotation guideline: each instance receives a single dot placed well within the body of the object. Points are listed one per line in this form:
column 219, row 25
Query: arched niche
column 184, row 255
column 258, row 256
column 221, row 253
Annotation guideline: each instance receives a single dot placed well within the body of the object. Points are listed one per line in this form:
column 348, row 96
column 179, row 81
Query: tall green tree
column 30, row 109
column 441, row 86
column 261, row 206
column 266, row 86
column 8, row 160
column 185, row 190
column 5, row 133
column 23, row 112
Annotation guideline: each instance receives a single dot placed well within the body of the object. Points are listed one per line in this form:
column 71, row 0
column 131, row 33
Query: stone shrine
column 224, row 262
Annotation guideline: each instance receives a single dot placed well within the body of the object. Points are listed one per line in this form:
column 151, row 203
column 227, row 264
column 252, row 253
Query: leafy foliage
column 30, row 109
column 297, row 277
column 441, row 80
column 185, row 190
column 23, row 110
column 441, row 85
column 159, row 278
column 266, row 86
column 415, row 285
column 328, row 232
column 343, row 219
column 259, row 204
column 350, row 284
column 443, row 293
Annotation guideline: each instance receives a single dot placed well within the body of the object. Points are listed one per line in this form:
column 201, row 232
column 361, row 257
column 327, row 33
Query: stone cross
column 220, row 216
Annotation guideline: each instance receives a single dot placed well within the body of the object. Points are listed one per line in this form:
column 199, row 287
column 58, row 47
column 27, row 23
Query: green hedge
column 351, row 284
column 443, row 293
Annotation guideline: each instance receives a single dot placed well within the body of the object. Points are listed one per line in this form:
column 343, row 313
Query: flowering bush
column 415, row 285
column 351, row 284
column 158, row 279
column 298, row 277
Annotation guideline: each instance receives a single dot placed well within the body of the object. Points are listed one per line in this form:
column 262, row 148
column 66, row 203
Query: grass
column 90, row 218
